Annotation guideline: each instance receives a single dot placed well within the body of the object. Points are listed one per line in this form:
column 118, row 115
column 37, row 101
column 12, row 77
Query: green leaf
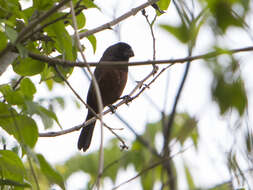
column 50, row 84
column 184, row 127
column 181, row 32
column 11, row 9
column 22, row 51
column 27, row 88
column 112, row 165
column 92, row 39
column 11, row 166
column 11, row 33
column 3, row 41
column 189, row 178
column 43, row 5
column 22, row 127
column 230, row 95
column 77, row 103
column 47, row 116
column 28, row 66
column 163, row 4
column 138, row 156
column 47, row 73
column 60, row 101
column 29, row 12
column 151, row 130
column 223, row 14
column 52, row 175
column 148, row 180
column 13, row 97
column 63, row 41
column 28, row 130
column 81, row 20
column 50, row 114
column 89, row 4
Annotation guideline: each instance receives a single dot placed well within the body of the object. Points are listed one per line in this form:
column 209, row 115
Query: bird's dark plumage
column 111, row 82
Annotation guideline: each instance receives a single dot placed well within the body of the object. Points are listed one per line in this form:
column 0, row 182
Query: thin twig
column 151, row 24
column 18, row 82
column 123, row 146
column 98, row 96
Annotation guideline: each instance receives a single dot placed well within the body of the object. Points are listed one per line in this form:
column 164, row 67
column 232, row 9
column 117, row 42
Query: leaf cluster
column 19, row 107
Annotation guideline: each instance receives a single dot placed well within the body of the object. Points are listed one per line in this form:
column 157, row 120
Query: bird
column 111, row 82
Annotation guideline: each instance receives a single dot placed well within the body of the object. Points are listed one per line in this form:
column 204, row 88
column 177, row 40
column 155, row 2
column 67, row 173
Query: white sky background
column 208, row 164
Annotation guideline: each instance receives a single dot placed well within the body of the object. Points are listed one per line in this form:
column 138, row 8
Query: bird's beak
column 129, row 53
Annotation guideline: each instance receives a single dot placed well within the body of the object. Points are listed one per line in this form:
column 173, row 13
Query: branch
column 65, row 63
column 108, row 25
column 151, row 24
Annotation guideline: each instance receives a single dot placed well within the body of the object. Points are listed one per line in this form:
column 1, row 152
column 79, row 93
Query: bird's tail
column 86, row 134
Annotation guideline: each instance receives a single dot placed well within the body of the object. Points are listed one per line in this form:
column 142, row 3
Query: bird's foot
column 112, row 108
column 124, row 147
column 127, row 98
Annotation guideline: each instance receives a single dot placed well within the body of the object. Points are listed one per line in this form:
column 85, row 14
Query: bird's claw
column 112, row 108
column 124, row 147
column 155, row 69
column 127, row 98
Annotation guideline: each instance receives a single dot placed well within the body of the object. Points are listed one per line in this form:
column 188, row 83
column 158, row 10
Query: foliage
column 21, row 111
column 139, row 156
column 18, row 105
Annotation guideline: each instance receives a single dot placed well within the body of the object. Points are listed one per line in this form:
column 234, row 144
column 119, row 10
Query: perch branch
column 55, row 61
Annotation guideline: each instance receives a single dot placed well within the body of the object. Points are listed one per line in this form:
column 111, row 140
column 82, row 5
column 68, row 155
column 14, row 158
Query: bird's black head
column 118, row 52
